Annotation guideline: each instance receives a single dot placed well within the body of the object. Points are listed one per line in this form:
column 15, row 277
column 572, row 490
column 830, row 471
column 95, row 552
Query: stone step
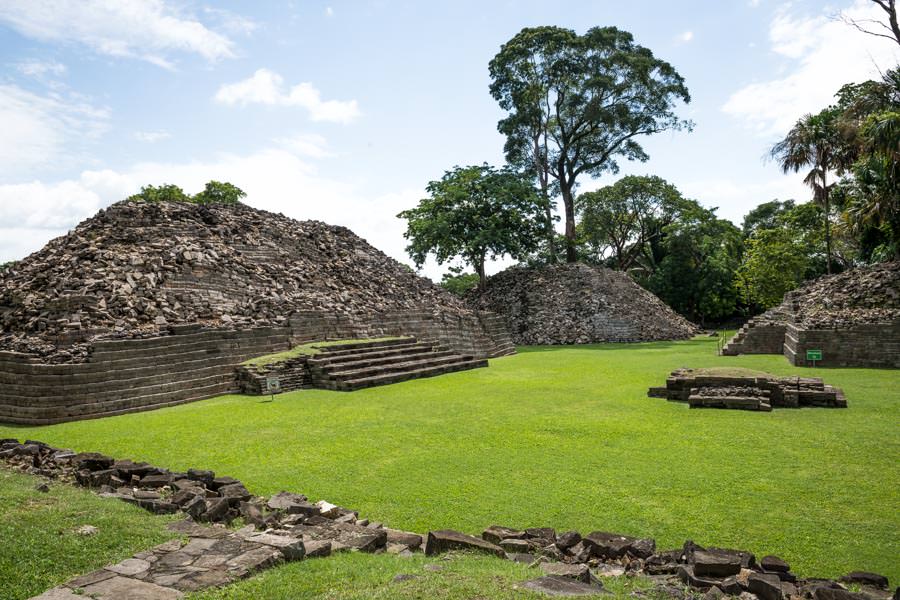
column 342, row 350
column 365, row 382
column 397, row 367
column 423, row 354
column 364, row 345
column 351, row 356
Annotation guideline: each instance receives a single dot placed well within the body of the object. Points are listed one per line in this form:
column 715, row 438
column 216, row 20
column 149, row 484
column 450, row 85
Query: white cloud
column 231, row 22
column 151, row 137
column 822, row 54
column 685, row 37
column 145, row 29
column 37, row 128
column 753, row 3
column 39, row 68
column 310, row 145
column 329, row 12
column 267, row 87
column 736, row 200
column 275, row 179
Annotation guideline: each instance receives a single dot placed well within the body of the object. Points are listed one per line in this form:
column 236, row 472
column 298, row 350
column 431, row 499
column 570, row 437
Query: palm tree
column 814, row 141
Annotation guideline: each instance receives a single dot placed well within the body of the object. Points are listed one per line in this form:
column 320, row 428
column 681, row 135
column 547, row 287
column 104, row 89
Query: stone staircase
column 364, row 364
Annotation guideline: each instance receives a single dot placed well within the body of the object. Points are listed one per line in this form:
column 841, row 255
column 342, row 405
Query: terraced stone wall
column 143, row 374
column 757, row 338
column 875, row 345
column 130, row 375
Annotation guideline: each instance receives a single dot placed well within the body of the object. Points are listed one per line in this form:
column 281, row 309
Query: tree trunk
column 569, row 203
column 827, row 206
column 548, row 215
column 479, row 269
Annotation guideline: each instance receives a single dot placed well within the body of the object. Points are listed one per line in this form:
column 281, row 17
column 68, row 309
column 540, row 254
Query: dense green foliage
column 561, row 436
column 671, row 245
column 577, row 104
column 215, row 192
column 6, row 265
column 459, row 283
column 41, row 548
column 784, row 246
column 475, row 213
column 857, row 139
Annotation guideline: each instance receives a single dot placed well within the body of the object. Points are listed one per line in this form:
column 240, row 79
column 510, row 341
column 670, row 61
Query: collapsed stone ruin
column 153, row 304
column 577, row 304
column 852, row 319
column 288, row 527
column 732, row 388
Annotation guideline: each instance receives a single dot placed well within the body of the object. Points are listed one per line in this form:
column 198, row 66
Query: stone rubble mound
column 869, row 294
column 137, row 269
column 577, row 304
column 287, row 526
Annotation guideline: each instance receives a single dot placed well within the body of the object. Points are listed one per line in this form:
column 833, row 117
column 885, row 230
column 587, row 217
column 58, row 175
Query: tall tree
column 700, row 253
column 765, row 216
column 889, row 30
column 476, row 213
column 578, row 103
column 623, row 223
column 815, row 141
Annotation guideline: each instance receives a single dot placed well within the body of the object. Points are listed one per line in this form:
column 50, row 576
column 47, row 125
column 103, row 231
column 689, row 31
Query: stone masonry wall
column 757, row 338
column 141, row 374
column 292, row 375
column 130, row 375
column 874, row 345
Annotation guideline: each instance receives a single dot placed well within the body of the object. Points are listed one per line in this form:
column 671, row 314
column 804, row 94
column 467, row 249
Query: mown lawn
column 40, row 546
column 563, row 437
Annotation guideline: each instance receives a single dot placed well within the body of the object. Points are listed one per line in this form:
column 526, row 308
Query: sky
column 343, row 111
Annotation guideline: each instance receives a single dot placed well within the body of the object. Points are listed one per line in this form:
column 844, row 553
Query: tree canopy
column 578, row 104
column 623, row 223
column 476, row 213
column 215, row 192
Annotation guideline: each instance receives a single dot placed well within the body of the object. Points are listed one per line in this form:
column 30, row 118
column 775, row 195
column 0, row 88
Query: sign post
column 813, row 355
column 273, row 386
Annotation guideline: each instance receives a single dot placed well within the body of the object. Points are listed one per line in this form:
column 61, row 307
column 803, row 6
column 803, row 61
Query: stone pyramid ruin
column 578, row 304
column 149, row 304
column 851, row 319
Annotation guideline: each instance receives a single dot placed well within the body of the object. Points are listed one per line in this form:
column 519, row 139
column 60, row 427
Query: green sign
column 813, row 355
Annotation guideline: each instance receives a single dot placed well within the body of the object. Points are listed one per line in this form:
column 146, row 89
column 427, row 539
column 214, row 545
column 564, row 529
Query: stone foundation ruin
column 853, row 318
column 746, row 390
column 577, row 304
column 154, row 304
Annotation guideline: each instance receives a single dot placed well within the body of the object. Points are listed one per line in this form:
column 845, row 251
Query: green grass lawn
column 564, row 437
column 39, row 544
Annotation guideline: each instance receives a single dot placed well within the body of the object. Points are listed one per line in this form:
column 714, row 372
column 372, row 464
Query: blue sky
column 343, row 111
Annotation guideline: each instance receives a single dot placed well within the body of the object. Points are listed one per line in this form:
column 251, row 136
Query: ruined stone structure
column 149, row 305
column 735, row 389
column 577, row 304
column 853, row 318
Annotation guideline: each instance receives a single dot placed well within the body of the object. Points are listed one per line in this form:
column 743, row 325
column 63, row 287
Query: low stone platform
column 743, row 389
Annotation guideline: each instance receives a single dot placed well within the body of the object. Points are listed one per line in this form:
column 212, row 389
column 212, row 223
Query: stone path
column 212, row 556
